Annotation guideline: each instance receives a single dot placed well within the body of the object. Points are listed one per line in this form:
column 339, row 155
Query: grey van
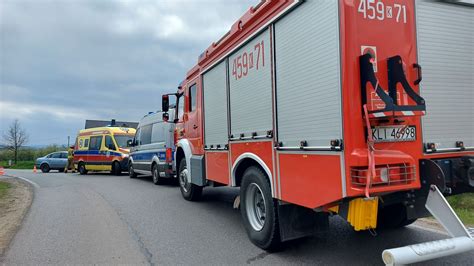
column 152, row 151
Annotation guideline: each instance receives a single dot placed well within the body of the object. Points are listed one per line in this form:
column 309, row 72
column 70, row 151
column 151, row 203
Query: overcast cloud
column 62, row 62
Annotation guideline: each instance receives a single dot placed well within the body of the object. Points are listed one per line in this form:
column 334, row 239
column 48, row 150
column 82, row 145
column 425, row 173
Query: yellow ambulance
column 103, row 149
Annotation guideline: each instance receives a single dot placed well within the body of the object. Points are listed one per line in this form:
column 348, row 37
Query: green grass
column 4, row 186
column 463, row 205
column 19, row 165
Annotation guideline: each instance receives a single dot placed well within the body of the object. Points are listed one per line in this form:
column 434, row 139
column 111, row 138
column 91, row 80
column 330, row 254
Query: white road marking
column 24, row 179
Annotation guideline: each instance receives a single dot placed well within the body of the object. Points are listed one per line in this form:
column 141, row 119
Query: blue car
column 52, row 161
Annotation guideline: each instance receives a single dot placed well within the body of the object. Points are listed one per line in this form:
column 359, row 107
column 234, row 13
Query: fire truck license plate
column 394, row 133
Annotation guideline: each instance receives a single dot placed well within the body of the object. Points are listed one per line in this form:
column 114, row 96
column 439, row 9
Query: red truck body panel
column 309, row 178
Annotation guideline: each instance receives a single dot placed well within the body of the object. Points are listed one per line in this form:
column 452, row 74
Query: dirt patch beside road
column 430, row 223
column 14, row 204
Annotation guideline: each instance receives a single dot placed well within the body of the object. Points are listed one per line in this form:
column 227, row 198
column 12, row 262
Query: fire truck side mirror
column 165, row 103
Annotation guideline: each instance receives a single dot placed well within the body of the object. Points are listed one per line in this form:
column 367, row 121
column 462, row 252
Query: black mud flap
column 431, row 174
column 297, row 222
column 451, row 175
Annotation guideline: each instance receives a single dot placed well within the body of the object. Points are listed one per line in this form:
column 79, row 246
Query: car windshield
column 122, row 140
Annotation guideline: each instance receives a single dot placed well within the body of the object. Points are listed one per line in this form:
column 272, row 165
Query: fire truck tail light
column 384, row 175
column 395, row 174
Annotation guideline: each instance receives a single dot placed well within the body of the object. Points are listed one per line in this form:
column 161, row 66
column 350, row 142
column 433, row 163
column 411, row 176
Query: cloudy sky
column 62, row 62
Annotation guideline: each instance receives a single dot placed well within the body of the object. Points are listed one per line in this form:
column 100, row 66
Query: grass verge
column 15, row 199
column 19, row 165
column 4, row 187
column 463, row 205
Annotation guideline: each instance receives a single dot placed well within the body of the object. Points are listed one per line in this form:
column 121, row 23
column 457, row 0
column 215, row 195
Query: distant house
column 113, row 122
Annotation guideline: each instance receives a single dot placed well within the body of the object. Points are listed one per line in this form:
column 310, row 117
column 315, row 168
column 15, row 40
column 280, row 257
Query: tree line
column 14, row 141
column 29, row 153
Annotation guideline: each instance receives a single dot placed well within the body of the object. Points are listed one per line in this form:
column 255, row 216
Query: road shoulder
column 13, row 208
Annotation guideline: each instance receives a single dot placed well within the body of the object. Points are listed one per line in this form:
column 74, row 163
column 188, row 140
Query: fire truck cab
column 314, row 108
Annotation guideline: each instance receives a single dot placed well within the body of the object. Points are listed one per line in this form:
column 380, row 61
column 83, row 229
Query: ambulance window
column 109, row 143
column 122, row 140
column 86, row 143
column 192, row 97
column 95, row 143
column 145, row 136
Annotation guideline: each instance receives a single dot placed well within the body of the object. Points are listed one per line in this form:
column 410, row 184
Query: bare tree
column 15, row 138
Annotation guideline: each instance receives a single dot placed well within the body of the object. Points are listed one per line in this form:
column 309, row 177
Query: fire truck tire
column 393, row 216
column 259, row 210
column 131, row 172
column 157, row 180
column 189, row 190
column 116, row 169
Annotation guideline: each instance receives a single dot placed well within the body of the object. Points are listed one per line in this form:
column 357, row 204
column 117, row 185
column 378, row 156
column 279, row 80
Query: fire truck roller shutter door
column 445, row 51
column 215, row 106
column 308, row 75
column 251, row 87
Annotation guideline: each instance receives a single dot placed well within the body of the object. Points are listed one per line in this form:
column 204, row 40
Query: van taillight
column 169, row 155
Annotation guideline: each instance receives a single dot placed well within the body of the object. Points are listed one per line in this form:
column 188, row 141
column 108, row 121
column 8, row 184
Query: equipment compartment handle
column 420, row 74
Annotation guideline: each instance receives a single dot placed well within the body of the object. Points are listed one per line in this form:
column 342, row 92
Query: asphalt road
column 114, row 219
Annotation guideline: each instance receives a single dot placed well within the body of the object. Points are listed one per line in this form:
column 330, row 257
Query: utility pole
column 68, row 137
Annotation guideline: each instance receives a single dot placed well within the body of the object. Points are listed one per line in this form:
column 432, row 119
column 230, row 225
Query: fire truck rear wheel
column 189, row 190
column 259, row 210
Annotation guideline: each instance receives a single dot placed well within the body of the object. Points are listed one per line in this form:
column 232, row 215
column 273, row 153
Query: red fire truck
column 316, row 108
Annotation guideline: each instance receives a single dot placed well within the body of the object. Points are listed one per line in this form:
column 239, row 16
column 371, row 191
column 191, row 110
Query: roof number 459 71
column 375, row 9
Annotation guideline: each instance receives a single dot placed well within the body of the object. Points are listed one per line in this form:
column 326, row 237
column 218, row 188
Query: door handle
column 194, row 127
column 420, row 76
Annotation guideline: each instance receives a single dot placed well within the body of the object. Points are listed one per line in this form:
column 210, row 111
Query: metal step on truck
column 361, row 108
